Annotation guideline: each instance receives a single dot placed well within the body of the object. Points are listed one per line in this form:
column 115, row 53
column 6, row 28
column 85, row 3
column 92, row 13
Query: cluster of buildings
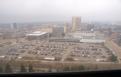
column 74, row 33
column 78, row 42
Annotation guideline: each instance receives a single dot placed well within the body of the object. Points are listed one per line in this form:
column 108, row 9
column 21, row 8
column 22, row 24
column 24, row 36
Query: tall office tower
column 14, row 26
column 76, row 21
column 65, row 27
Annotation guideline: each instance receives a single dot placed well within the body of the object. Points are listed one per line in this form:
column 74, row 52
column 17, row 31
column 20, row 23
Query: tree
column 22, row 68
column 69, row 59
column 113, row 58
column 66, row 68
column 49, row 70
column 81, row 67
column 96, row 67
column 30, row 68
column 8, row 68
column 74, row 68
column 1, row 69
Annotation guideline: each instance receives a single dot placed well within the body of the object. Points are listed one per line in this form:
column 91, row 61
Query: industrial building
column 57, row 32
column 90, row 37
column 37, row 35
column 64, row 40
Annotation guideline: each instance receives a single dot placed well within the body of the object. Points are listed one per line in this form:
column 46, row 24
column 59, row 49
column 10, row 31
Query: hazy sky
column 59, row 10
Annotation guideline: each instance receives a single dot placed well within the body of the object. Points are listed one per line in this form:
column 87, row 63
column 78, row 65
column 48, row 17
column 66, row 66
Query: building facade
column 76, row 21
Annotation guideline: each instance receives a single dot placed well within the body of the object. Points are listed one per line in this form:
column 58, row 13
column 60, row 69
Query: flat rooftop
column 36, row 33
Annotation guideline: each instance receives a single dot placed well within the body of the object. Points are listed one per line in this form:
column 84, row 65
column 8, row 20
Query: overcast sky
column 59, row 10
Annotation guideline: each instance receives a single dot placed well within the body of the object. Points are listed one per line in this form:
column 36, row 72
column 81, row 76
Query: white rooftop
column 50, row 58
column 2, row 56
column 36, row 33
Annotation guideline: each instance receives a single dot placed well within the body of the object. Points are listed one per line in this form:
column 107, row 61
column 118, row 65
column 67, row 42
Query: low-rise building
column 90, row 37
column 37, row 35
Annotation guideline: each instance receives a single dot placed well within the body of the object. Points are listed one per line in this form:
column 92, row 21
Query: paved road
column 66, row 53
column 115, row 49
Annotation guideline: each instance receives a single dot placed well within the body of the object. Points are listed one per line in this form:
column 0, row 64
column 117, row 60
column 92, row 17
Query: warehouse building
column 89, row 37
column 37, row 35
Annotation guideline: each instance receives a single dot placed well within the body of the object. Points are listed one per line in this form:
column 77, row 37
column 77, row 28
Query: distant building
column 65, row 28
column 1, row 35
column 87, row 27
column 57, row 32
column 14, row 26
column 37, row 35
column 64, row 40
column 90, row 37
column 76, row 21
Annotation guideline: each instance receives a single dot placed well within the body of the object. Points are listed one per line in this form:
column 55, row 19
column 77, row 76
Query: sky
column 59, row 10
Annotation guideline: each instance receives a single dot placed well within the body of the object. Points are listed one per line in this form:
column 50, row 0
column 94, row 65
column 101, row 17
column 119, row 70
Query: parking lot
column 59, row 51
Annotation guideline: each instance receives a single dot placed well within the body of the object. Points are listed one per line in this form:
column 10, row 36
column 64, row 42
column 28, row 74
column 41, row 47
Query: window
column 59, row 35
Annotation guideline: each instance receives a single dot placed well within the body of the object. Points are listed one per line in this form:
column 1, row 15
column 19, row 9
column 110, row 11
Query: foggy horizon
column 59, row 10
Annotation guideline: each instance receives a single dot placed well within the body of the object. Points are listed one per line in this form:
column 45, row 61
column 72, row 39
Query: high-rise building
column 65, row 28
column 14, row 26
column 76, row 21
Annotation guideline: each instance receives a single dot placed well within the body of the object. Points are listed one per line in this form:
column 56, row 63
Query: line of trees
column 113, row 58
column 74, row 68
column 8, row 68
column 24, row 69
